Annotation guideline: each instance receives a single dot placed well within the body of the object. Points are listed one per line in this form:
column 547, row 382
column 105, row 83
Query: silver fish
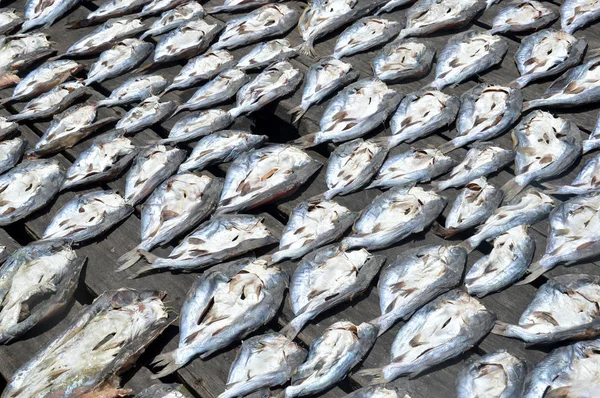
column 486, row 111
column 18, row 52
column 152, row 166
column 36, row 281
column 267, row 53
column 198, row 125
column 11, row 152
column 569, row 371
column 268, row 21
column 412, row 167
column 204, row 67
column 216, row 240
column 575, row 14
column 311, row 225
column 42, row 79
column 218, row 90
column 52, row 102
column 103, row 341
column 565, row 307
column 354, row 112
column 365, row 34
column 238, row 5
column 352, row 165
column 9, row 20
column 475, row 203
column 428, row 16
column 496, row 375
column 523, row 17
column 391, row 5
column 593, row 141
column 263, row 361
column 420, row 114
column 572, row 235
column 547, row 53
column 164, row 391
column 224, row 146
column 416, row 277
column 87, row 216
column 109, row 9
column 403, row 59
column 7, row 127
column 107, row 157
column 28, row 187
column 158, row 6
column 40, row 12
column 587, row 181
column 506, row 263
column 393, row 216
column 482, row 159
column 468, row 54
column 69, row 128
column 223, row 306
column 136, row 88
column 105, row 37
column 263, row 175
column 173, row 19
column 546, row 146
column 278, row 80
column 149, row 112
column 179, row 204
column 121, row 58
column 331, row 357
column 441, row 330
column 576, row 87
column 323, row 79
column 377, row 392
column 532, row 207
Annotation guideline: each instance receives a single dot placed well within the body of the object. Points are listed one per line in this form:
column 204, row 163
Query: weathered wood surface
column 207, row 378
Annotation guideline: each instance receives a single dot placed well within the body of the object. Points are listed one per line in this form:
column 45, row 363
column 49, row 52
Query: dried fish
column 390, row 5
column 102, row 341
column 238, row 5
column 331, row 357
column 416, row 277
column 224, row 146
column 546, row 146
column 420, row 114
column 175, row 18
column 263, row 361
column 496, row 375
column 323, row 79
column 311, row 225
column 121, row 58
column 178, row 205
column 468, row 54
column 198, row 125
column 278, row 80
column 442, row 329
column 352, row 165
column 216, row 240
column 7, row 127
column 412, row 167
column 429, row 16
column 575, row 14
column 565, row 307
column 106, row 159
column 28, row 187
column 69, row 128
column 354, row 112
column 377, row 392
column 158, row 6
column 393, row 216
column 36, row 281
column 506, row 263
column 547, row 53
column 87, row 216
column 152, row 166
column 326, row 278
column 587, row 181
column 365, row 34
column 11, row 152
column 523, row 17
column 109, row 9
column 263, row 175
column 403, row 59
column 9, row 20
column 592, row 142
column 218, row 90
column 136, row 88
column 266, row 53
column 474, row 204
column 18, row 52
column 482, row 159
column 532, row 207
column 268, row 21
column 572, row 235
column 223, row 306
column 164, row 391
column 149, row 112
column 45, row 13
column 204, row 67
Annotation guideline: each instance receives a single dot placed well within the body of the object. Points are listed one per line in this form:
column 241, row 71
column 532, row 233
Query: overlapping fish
column 587, row 181
column 149, row 112
column 173, row 19
column 267, row 53
column 575, row 14
column 201, row 68
column 11, row 152
column 377, row 391
column 19, row 51
column 365, row 34
column 7, row 127
column 403, row 59
column 390, row 5
column 109, row 9
column 134, row 89
column 238, row 5
column 416, row 277
column 45, row 13
column 121, row 58
column 9, row 20
column 198, row 125
column 523, row 17
column 158, row 6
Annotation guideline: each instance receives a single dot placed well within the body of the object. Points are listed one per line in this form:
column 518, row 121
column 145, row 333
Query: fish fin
column 447, row 147
column 307, row 49
column 149, row 257
column 128, row 259
column 306, row 141
column 8, row 80
column 511, row 189
column 6, row 100
column 290, row 331
column 443, row 232
column 168, row 362
column 535, row 271
column 502, row 329
column 180, row 108
column 298, row 112
column 374, row 375
column 143, row 270
column 146, row 68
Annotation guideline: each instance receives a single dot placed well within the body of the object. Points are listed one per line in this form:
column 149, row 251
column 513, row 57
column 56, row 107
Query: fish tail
column 9, row 80
column 511, row 189
column 383, row 323
column 292, row 329
column 168, row 362
column 519, row 82
column 128, row 259
column 469, row 245
column 534, row 271
column 446, row 233
column 448, row 147
column 374, row 375
column 82, row 23
column 322, row 196
column 143, row 270
column 6, row 100
column 307, row 141
column 144, row 35
column 503, row 329
column 530, row 105
column 234, row 113
column 298, row 112
column 307, row 49
column 57, row 57
column 145, row 68
column 215, row 9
